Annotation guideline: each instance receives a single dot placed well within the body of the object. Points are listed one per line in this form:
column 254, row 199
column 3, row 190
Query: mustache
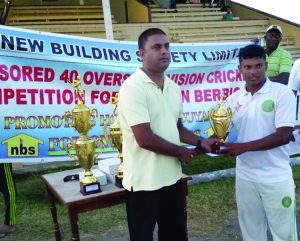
column 165, row 58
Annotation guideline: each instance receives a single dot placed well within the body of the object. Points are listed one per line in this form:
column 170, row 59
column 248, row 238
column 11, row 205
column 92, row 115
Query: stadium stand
column 186, row 13
column 192, row 23
column 74, row 20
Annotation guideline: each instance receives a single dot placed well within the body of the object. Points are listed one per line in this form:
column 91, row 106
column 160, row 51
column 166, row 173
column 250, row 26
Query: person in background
column 294, row 79
column 263, row 112
column 166, row 4
column 229, row 15
column 8, row 189
column 204, row 3
column 279, row 60
column 150, row 112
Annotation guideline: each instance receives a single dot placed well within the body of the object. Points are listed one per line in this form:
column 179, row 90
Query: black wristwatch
column 198, row 146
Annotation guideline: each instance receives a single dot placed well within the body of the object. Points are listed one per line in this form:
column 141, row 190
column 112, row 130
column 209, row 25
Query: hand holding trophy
column 220, row 120
column 83, row 119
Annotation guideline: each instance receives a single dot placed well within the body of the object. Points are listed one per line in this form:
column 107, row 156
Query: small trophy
column 116, row 136
column 220, row 119
column 83, row 119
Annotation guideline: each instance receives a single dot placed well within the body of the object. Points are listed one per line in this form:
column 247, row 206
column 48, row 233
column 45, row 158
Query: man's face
column 273, row 38
column 156, row 53
column 253, row 70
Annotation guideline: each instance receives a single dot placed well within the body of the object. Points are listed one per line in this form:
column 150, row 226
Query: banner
column 35, row 92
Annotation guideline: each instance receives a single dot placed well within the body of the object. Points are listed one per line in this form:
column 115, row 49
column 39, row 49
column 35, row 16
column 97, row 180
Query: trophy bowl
column 81, row 118
column 220, row 120
column 85, row 148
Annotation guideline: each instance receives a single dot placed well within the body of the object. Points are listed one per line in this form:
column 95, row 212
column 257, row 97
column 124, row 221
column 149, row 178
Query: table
column 68, row 194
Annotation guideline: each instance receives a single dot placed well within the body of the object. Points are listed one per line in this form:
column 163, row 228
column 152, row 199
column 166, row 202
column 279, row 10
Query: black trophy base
column 87, row 189
column 118, row 182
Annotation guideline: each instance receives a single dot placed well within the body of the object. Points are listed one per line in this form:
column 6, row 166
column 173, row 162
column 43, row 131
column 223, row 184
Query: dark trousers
column 173, row 4
column 8, row 189
column 164, row 207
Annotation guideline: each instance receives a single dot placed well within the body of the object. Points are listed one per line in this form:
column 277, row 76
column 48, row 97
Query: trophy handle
column 68, row 114
column 68, row 147
column 106, row 139
column 94, row 115
column 97, row 143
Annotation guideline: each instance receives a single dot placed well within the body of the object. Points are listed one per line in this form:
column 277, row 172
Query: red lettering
column 117, row 79
column 3, row 73
column 98, row 78
column 21, row 97
column 15, row 73
column 8, row 94
column 108, row 78
column 185, row 96
column 198, row 95
column 26, row 72
column 38, row 74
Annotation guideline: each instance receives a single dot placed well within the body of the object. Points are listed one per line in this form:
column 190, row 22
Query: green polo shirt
column 142, row 101
column 278, row 62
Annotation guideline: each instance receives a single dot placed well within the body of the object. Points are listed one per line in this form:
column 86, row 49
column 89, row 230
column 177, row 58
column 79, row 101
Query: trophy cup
column 220, row 120
column 83, row 119
column 116, row 136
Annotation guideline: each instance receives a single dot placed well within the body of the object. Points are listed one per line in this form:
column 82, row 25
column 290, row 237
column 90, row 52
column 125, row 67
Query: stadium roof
column 287, row 10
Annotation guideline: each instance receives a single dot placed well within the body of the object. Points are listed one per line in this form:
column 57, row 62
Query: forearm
column 268, row 142
column 159, row 145
column 188, row 137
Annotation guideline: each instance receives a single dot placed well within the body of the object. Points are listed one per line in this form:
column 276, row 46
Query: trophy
column 220, row 119
column 83, row 119
column 116, row 136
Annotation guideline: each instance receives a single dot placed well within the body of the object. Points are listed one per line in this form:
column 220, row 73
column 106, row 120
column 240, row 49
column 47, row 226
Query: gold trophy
column 220, row 119
column 83, row 119
column 116, row 136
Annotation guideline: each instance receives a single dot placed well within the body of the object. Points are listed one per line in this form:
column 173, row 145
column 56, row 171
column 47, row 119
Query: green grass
column 205, row 163
column 211, row 206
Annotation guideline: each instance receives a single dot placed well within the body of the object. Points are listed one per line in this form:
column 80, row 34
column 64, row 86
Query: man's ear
column 142, row 53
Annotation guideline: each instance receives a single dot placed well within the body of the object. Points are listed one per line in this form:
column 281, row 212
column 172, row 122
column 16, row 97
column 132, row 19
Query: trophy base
column 91, row 188
column 118, row 182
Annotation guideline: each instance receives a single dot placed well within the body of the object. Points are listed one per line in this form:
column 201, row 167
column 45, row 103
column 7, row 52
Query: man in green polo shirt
column 279, row 60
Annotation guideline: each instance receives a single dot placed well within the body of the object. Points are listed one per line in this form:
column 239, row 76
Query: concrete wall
column 118, row 9
column 137, row 12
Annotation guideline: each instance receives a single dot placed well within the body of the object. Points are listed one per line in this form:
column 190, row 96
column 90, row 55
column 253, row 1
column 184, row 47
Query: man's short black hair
column 149, row 32
column 252, row 51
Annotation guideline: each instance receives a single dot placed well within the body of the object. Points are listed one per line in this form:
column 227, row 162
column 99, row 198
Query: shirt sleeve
column 286, row 63
column 285, row 109
column 294, row 79
column 133, row 105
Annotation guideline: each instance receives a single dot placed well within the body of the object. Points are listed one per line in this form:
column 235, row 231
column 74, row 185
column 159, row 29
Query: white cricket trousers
column 262, row 204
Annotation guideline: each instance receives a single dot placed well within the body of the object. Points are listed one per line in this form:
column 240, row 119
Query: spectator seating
column 87, row 20
column 186, row 13
column 218, row 31
column 87, row 30
column 44, row 15
column 192, row 23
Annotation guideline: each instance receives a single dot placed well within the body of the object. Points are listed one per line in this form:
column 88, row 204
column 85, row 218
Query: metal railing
column 5, row 11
